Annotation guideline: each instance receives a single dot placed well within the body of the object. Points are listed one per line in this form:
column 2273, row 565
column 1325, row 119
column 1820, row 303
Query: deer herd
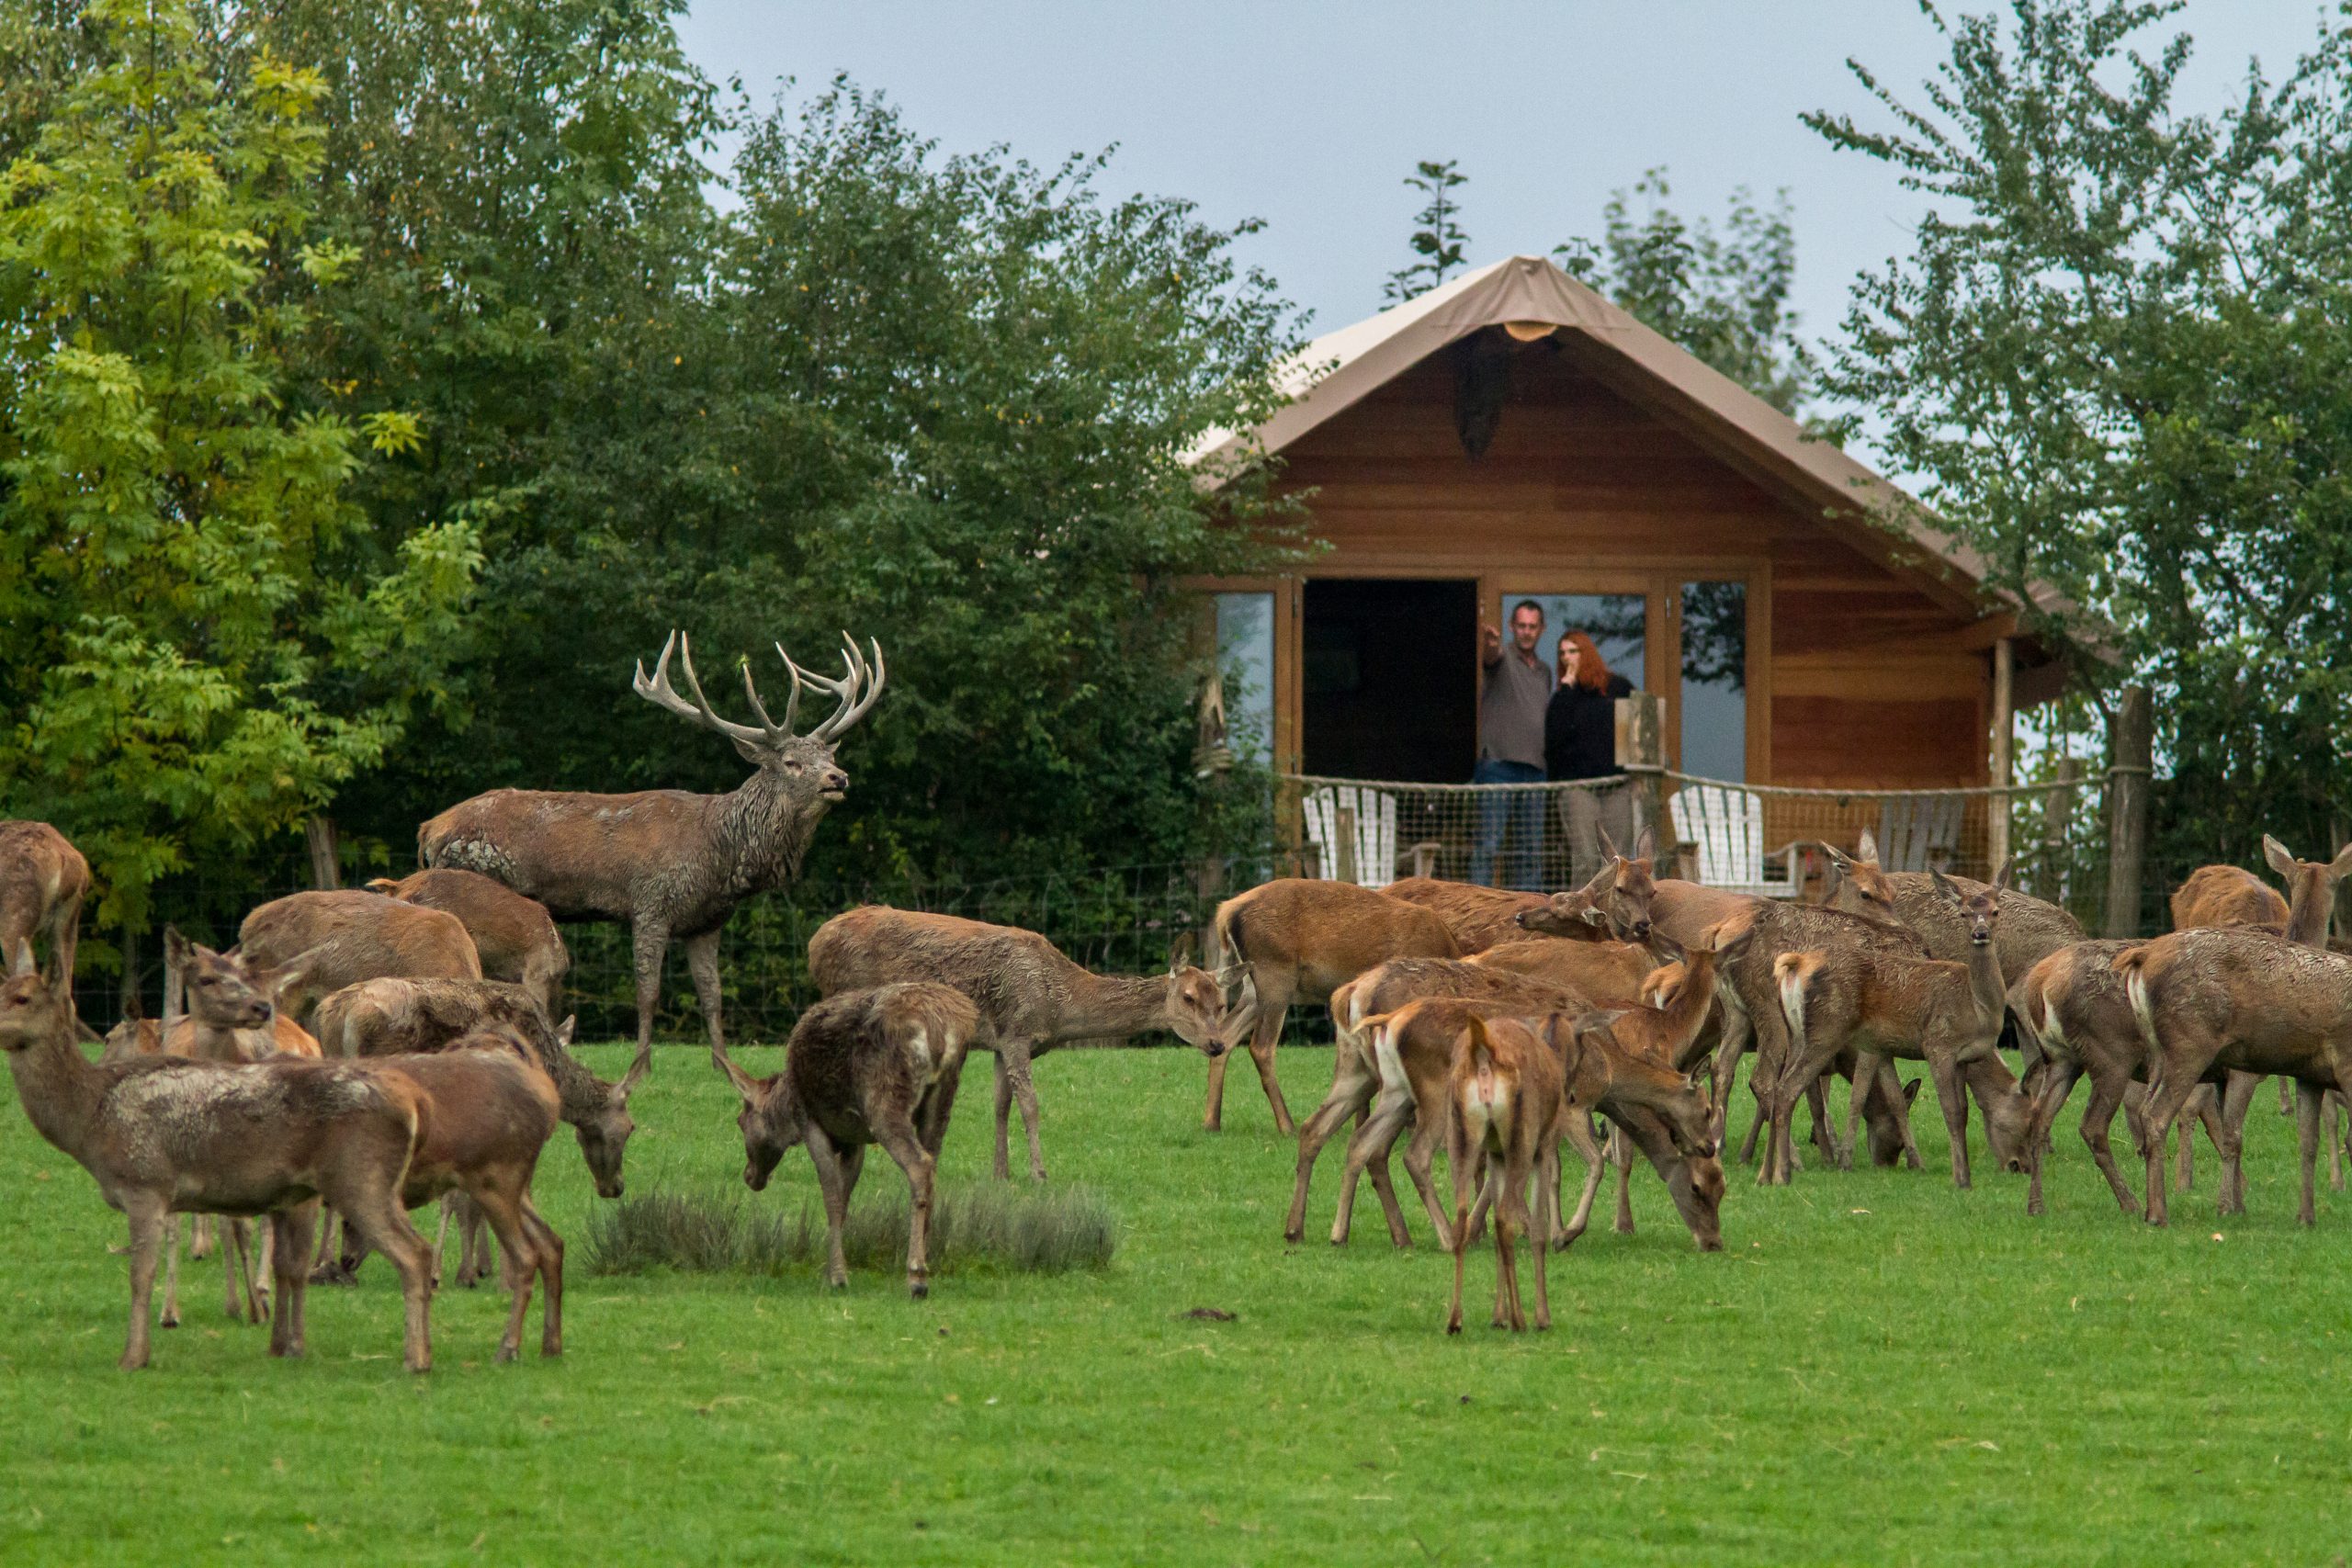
column 363, row 1053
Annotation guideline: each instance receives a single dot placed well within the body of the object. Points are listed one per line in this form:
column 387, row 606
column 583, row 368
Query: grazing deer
column 669, row 863
column 384, row 1017
column 1298, row 939
column 1504, row 1116
column 514, row 936
column 43, row 880
column 1889, row 1004
column 1478, row 916
column 348, row 935
column 1603, row 968
column 162, row 1135
column 1031, row 997
column 867, row 1067
column 1355, row 1075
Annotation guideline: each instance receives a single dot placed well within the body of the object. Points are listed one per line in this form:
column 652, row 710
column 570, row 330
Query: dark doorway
column 1388, row 679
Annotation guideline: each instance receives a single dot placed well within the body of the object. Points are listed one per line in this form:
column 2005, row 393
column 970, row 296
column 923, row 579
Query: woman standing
column 1580, row 742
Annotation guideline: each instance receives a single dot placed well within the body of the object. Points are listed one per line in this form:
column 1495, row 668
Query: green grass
column 1878, row 1368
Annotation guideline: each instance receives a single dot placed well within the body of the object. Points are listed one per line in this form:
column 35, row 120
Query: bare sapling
column 867, row 1067
column 514, row 937
column 161, row 1135
column 1299, row 940
column 1949, row 1015
column 1505, row 1111
column 670, row 863
column 1032, row 997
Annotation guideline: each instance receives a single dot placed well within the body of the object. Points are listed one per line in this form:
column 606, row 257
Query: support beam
column 2004, row 743
column 2131, row 761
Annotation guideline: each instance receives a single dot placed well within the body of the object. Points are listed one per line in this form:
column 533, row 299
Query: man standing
column 1517, row 684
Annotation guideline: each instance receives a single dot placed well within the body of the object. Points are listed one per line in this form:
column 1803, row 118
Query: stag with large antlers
column 670, row 863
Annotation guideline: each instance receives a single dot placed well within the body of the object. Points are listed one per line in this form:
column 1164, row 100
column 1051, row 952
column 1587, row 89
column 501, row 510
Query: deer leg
column 2286, row 1098
column 2331, row 1116
column 1353, row 1086
column 1577, row 1128
column 702, row 963
column 1420, row 1163
column 1369, row 1147
column 505, row 1211
column 833, row 1180
column 1897, row 1102
column 171, row 1273
column 291, row 1253
column 648, row 943
column 1539, row 1228
column 550, row 1249
column 1825, row 1129
column 371, row 1208
column 2307, row 1109
column 1025, row 1094
column 1384, row 1187
column 1858, row 1096
column 200, row 1241
column 2177, row 1072
column 899, row 1141
column 1951, row 1098
column 2236, row 1101
column 1458, row 1160
column 1621, row 1154
column 2057, row 1083
column 1003, row 1171
column 1735, row 1036
column 1507, row 1313
column 238, row 1267
column 148, row 1217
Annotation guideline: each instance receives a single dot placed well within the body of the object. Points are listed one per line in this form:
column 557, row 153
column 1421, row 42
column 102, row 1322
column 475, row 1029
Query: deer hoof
column 919, row 1289
column 506, row 1353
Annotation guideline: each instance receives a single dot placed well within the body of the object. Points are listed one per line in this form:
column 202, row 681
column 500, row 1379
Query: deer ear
column 1593, row 916
column 2002, row 878
column 1838, row 857
column 1180, row 952
column 1865, row 847
column 21, row 963
column 1609, row 845
column 175, row 947
column 1645, row 846
column 2342, row 865
column 1945, row 888
column 641, row 1065
column 1666, row 947
column 2275, row 854
column 565, row 1031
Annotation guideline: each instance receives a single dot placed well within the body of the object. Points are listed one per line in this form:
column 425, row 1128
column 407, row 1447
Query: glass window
column 1714, row 680
column 1245, row 652
column 1613, row 621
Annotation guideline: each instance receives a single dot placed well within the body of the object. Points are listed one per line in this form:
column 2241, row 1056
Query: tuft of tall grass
column 996, row 1226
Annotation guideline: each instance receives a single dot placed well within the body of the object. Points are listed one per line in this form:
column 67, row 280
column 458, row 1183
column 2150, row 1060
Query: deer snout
column 1641, row 929
column 836, row 783
column 755, row 1177
column 609, row 1189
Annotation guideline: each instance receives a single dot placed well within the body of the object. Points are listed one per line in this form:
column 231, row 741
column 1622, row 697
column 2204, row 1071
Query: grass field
column 1877, row 1369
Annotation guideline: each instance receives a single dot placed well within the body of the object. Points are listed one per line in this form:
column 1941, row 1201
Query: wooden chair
column 1353, row 829
column 1725, row 828
column 1919, row 832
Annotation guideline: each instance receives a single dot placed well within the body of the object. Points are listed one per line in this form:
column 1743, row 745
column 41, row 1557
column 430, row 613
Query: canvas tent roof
column 1531, row 297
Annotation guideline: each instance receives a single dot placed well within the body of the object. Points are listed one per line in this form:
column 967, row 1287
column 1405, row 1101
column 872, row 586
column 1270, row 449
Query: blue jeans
column 1525, row 815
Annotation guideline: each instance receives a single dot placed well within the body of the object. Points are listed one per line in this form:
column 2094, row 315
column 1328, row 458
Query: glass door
column 1713, row 631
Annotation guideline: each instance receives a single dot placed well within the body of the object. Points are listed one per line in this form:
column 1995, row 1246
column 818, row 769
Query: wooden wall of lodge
column 1870, row 679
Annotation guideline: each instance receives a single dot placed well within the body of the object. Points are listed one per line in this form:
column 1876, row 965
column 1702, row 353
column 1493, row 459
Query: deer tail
column 2133, row 964
column 1792, row 974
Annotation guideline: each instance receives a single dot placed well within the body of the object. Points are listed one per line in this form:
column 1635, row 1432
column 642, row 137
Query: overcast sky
column 1309, row 116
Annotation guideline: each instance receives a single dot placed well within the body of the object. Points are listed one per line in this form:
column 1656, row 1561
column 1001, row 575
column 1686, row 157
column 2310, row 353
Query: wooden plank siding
column 1865, row 678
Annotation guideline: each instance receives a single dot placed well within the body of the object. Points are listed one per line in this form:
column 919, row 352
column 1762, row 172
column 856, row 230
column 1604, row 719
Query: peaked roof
column 1531, row 297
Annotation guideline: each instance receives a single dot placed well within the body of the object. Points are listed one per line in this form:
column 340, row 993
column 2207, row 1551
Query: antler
column 856, row 691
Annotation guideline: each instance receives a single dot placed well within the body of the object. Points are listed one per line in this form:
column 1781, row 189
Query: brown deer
column 869, row 1067
column 1031, row 997
column 1505, row 1113
column 43, row 880
column 1355, row 1075
column 384, row 1017
column 349, row 935
column 2229, row 896
column 1890, row 1004
column 2031, row 928
column 514, row 936
column 1479, row 916
column 161, row 1135
column 669, row 863
column 1604, row 968
column 1299, row 940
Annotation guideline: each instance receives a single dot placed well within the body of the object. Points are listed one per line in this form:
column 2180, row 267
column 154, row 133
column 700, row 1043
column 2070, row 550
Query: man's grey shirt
column 1511, row 710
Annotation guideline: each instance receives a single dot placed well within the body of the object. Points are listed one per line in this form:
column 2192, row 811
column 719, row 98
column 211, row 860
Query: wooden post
column 1343, row 829
column 2131, row 761
column 2057, row 819
column 1641, row 753
column 2005, row 743
column 318, row 830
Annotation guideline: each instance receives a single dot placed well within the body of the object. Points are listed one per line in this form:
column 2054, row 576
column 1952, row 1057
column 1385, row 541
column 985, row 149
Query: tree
column 1723, row 295
column 1440, row 241
column 2119, row 354
column 194, row 658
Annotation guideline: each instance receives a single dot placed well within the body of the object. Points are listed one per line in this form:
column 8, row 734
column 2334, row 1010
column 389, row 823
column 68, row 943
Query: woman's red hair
column 1592, row 670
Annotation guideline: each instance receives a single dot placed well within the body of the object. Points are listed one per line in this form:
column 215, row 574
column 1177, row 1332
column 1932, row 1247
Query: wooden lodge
column 1513, row 435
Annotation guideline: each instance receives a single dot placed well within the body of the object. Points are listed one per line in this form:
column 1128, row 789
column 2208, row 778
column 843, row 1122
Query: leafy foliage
column 1723, row 295
column 1441, row 240
column 202, row 637
column 2118, row 353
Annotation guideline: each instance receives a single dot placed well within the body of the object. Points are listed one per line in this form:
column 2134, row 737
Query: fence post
column 318, row 831
column 1642, row 754
column 2057, row 817
column 2004, row 740
column 2131, row 761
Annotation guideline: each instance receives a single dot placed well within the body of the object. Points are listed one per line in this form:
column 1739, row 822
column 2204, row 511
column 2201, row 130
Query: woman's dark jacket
column 1580, row 730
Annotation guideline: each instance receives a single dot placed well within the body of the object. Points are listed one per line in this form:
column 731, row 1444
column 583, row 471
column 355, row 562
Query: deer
column 1890, row 1004
column 43, row 880
column 2229, row 896
column 1299, row 939
column 161, row 1135
column 669, row 862
column 867, row 1067
column 1505, row 1113
column 348, row 935
column 1478, row 916
column 514, row 936
column 1030, row 996
column 1602, row 968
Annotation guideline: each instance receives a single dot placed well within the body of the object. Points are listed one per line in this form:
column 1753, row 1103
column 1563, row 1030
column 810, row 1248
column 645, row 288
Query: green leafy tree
column 186, row 658
column 1723, row 294
column 1441, row 240
column 2117, row 353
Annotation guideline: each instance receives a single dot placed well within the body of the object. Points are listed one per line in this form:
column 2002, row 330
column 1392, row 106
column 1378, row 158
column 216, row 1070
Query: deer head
column 1617, row 899
column 34, row 1008
column 1980, row 909
column 770, row 1120
column 1196, row 1008
column 2310, row 884
column 604, row 1130
column 1862, row 888
column 227, row 990
column 801, row 765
